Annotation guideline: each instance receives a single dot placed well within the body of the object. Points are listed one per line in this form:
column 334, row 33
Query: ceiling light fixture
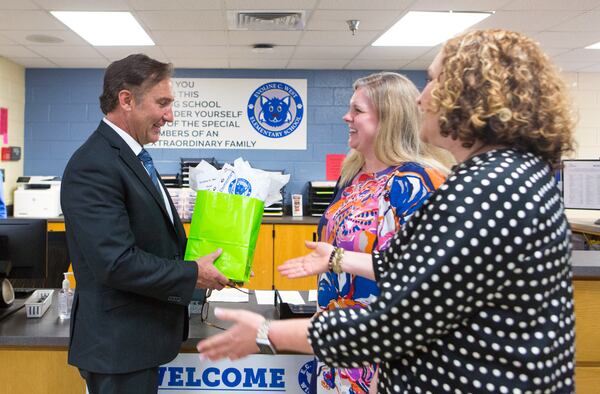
column 44, row 39
column 263, row 48
column 424, row 28
column 593, row 46
column 100, row 28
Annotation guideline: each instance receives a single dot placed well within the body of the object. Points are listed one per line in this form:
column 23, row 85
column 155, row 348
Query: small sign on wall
column 11, row 153
column 4, row 125
column 230, row 113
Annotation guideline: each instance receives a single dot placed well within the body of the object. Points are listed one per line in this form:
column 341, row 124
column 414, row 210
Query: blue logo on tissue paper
column 241, row 187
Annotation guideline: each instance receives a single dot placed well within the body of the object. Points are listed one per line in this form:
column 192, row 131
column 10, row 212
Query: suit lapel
column 135, row 165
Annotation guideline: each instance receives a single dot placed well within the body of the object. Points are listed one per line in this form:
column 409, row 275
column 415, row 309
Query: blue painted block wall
column 62, row 110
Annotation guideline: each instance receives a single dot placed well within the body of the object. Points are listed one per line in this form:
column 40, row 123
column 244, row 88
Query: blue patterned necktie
column 146, row 159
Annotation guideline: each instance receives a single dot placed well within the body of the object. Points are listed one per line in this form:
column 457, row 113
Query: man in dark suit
column 126, row 241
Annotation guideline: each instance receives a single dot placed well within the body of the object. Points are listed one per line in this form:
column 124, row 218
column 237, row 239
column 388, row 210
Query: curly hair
column 498, row 87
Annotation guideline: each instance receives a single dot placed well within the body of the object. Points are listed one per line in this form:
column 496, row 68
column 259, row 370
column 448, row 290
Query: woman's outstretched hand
column 236, row 342
column 313, row 263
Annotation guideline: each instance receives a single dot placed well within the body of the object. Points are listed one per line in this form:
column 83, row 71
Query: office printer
column 37, row 197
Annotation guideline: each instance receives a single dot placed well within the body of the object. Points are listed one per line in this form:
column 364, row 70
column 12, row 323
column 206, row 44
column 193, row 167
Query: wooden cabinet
column 289, row 242
column 262, row 266
column 587, row 339
column 276, row 243
column 38, row 370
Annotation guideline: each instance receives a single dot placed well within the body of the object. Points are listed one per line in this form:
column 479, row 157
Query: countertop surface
column 265, row 220
column 50, row 331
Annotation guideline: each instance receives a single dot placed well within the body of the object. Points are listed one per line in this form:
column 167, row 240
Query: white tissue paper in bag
column 240, row 179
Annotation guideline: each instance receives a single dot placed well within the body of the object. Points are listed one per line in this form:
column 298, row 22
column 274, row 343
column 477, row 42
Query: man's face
column 150, row 112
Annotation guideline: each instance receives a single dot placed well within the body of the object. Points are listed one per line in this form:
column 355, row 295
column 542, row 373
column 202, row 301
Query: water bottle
column 65, row 299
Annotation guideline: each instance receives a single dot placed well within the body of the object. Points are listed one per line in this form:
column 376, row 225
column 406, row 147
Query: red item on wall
column 333, row 166
column 6, row 153
column 4, row 125
column 11, row 153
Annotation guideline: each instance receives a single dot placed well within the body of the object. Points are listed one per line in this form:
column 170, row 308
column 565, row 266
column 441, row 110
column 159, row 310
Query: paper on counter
column 312, row 295
column 265, row 297
column 291, row 297
column 228, row 295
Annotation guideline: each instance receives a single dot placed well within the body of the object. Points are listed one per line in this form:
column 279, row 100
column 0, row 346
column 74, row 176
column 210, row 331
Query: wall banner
column 229, row 113
column 186, row 374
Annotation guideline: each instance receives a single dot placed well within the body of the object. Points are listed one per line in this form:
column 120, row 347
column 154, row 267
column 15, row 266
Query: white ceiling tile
column 258, row 63
column 194, row 33
column 65, row 51
column 566, row 39
column 10, row 51
column 392, row 52
column 183, row 20
column 279, row 52
column 116, row 53
column 336, row 20
column 289, row 5
column 158, row 5
column 68, row 37
column 364, row 5
column 199, row 63
column 5, row 40
column 33, row 62
column 555, row 51
column 526, row 21
column 189, row 37
column 311, row 52
column 573, row 66
column 191, row 52
column 551, row 5
column 317, row 64
column 458, row 5
column 588, row 21
column 418, row 64
column 376, row 64
column 345, row 38
column 80, row 62
column 590, row 55
column 79, row 5
column 18, row 5
column 29, row 20
column 240, row 37
column 594, row 68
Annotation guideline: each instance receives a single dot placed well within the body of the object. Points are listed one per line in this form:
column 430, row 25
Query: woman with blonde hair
column 476, row 292
column 385, row 178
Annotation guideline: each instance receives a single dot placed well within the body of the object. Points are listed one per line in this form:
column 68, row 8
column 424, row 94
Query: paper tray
column 290, row 311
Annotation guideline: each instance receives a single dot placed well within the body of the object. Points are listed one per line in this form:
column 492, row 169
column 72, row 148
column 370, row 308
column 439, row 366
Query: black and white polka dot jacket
column 476, row 292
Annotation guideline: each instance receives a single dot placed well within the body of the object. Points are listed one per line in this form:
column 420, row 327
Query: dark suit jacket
column 129, row 311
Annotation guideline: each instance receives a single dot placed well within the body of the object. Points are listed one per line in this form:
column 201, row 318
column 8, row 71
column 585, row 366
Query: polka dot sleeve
column 472, row 254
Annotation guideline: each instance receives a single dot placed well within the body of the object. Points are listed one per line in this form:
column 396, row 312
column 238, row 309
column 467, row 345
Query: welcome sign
column 230, row 113
column 186, row 374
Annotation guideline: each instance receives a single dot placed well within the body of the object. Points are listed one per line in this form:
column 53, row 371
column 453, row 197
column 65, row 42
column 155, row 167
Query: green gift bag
column 230, row 222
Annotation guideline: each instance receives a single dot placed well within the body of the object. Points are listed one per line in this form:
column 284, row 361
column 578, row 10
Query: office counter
column 33, row 356
column 33, row 352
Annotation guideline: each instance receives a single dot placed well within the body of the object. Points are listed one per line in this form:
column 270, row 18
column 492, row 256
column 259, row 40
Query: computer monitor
column 24, row 242
column 581, row 184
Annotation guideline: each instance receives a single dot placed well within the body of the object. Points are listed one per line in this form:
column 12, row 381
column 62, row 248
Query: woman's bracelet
column 335, row 260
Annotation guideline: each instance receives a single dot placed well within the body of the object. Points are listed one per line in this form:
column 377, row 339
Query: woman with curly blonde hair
column 476, row 292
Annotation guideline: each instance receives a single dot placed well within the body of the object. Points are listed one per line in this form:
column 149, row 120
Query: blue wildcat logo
column 275, row 109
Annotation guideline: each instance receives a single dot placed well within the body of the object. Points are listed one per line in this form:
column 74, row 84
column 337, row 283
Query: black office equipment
column 290, row 311
column 24, row 242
